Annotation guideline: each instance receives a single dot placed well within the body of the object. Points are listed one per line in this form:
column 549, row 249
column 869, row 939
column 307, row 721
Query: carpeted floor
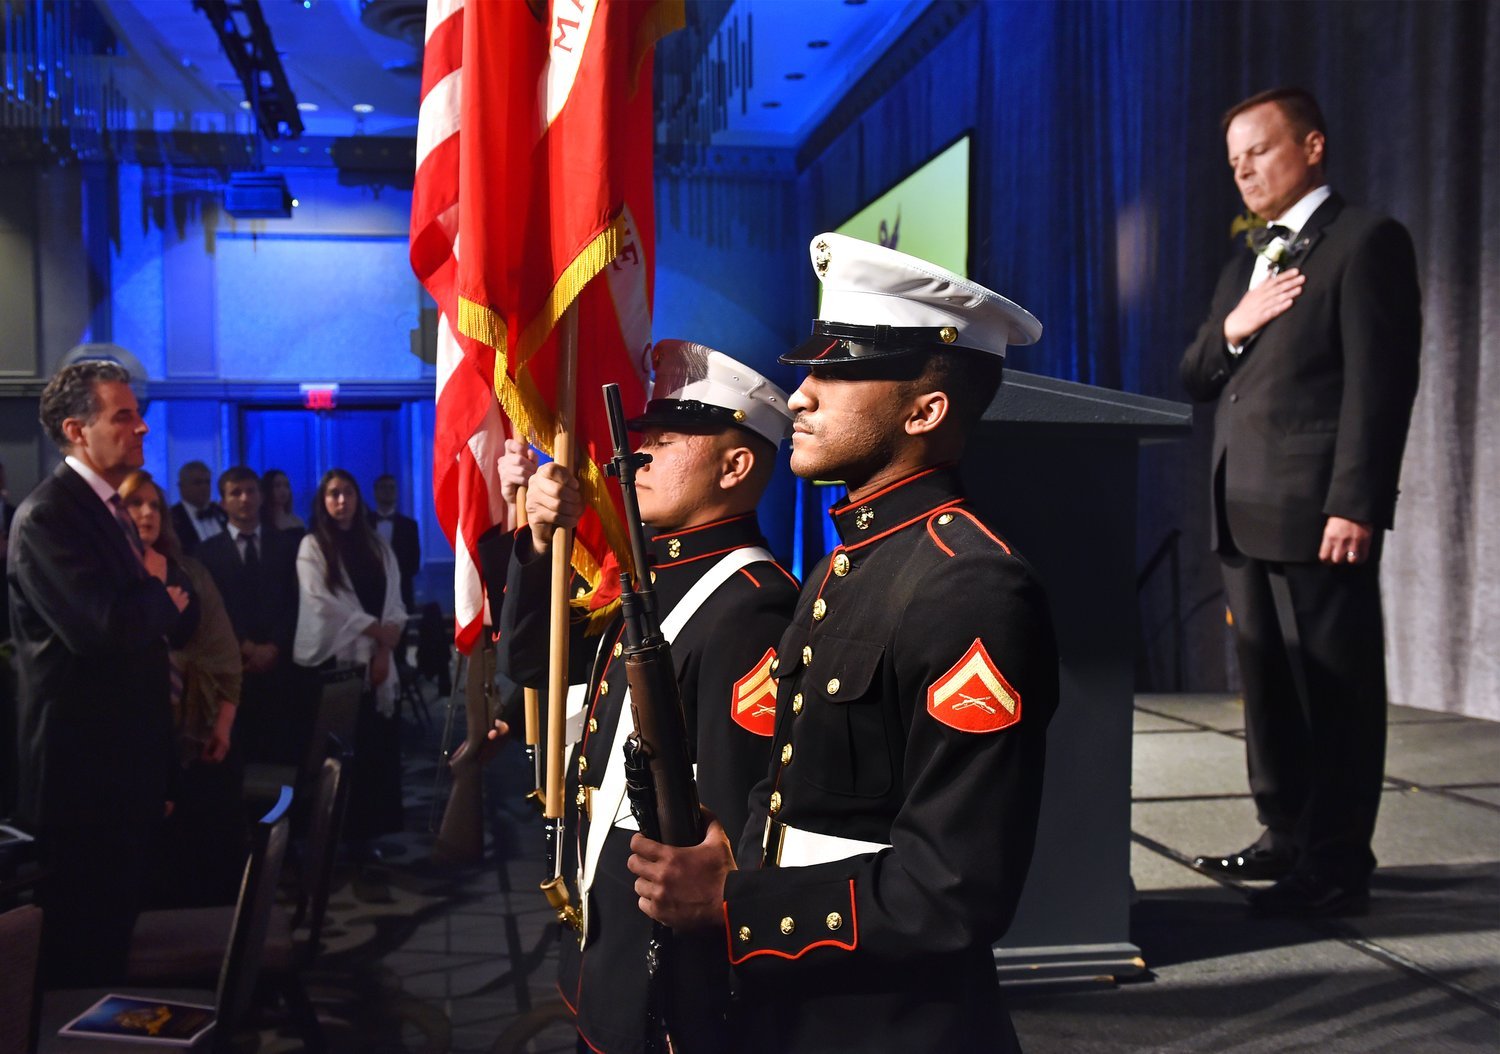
column 421, row 958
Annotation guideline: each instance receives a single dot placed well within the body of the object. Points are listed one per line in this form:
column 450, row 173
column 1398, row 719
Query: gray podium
column 1053, row 466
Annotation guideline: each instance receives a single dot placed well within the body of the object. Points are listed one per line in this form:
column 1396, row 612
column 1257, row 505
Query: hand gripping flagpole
column 554, row 888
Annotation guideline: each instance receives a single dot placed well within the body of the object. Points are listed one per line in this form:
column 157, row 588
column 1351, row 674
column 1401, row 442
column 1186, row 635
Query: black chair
column 238, row 971
column 184, row 946
column 336, row 694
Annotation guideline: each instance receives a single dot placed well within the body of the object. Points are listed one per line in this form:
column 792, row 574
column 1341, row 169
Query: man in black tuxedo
column 1311, row 349
column 400, row 533
column 195, row 517
column 91, row 616
column 255, row 569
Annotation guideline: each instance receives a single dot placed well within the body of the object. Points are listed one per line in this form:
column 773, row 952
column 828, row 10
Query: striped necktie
column 127, row 525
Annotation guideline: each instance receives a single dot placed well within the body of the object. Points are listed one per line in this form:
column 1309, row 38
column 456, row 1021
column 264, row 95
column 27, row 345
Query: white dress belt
column 795, row 847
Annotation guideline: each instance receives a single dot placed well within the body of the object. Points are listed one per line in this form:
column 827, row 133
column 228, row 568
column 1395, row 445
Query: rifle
column 460, row 837
column 660, row 737
column 658, row 768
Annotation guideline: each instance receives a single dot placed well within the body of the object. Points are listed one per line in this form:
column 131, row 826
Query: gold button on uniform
column 775, row 665
column 834, row 920
column 796, row 704
column 945, row 519
column 619, row 649
column 786, row 754
column 583, row 766
column 674, row 548
column 841, row 564
column 788, row 924
column 593, row 724
column 833, row 686
column 744, row 933
column 603, row 687
column 775, row 802
column 582, row 797
column 820, row 608
column 807, row 655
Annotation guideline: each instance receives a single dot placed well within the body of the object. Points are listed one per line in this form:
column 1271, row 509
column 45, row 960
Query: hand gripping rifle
column 658, row 766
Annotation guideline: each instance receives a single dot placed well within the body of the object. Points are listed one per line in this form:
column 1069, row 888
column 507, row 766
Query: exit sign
column 320, row 396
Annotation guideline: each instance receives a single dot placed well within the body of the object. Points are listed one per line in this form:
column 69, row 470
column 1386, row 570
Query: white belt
column 798, row 848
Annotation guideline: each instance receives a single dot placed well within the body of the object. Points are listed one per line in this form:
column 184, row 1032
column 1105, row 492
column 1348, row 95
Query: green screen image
column 925, row 215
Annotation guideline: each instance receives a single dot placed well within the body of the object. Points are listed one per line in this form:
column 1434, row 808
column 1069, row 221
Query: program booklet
column 133, row 1017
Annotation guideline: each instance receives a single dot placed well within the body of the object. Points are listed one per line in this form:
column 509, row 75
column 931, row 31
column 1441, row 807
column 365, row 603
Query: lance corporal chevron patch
column 754, row 699
column 974, row 696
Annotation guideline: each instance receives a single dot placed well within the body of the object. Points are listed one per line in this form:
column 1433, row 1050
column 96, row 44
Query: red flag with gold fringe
column 556, row 207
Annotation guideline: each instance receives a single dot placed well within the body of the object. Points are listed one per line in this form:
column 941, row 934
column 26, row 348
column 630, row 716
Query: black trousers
column 94, row 889
column 1311, row 647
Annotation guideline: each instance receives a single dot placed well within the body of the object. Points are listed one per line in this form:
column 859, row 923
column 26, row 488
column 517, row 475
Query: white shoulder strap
column 610, row 806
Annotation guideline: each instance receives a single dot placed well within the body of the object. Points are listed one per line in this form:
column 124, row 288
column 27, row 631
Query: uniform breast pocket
column 845, row 742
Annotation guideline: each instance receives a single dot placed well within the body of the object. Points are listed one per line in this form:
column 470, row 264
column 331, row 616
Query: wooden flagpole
column 531, row 697
column 562, row 567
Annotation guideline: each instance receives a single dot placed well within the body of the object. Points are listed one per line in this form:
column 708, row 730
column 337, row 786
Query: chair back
column 20, row 947
column 339, row 691
column 252, row 914
column 322, row 846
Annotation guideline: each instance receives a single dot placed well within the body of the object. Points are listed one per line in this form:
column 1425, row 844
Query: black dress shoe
column 1304, row 895
column 1252, row 863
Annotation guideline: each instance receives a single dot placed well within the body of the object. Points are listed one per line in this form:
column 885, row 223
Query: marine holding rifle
column 712, row 431
column 887, row 845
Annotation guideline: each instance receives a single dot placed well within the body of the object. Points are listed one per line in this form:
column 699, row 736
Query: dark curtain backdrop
column 1102, row 201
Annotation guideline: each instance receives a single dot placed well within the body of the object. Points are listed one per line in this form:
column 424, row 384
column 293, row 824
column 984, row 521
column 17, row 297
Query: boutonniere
column 1277, row 246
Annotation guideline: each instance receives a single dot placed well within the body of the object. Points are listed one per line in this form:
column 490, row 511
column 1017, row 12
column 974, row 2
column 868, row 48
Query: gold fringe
column 593, row 258
column 665, row 16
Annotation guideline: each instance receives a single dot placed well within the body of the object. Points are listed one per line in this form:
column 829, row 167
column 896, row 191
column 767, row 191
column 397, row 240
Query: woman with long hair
column 204, row 838
column 351, row 611
column 276, row 513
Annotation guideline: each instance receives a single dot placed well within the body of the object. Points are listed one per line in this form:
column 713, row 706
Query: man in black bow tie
column 400, row 533
column 196, row 517
column 1311, row 349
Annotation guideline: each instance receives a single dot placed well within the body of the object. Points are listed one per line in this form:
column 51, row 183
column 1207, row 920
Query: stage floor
column 425, row 959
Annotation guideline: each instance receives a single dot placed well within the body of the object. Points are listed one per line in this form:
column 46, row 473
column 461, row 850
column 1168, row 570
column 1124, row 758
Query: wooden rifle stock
column 460, row 837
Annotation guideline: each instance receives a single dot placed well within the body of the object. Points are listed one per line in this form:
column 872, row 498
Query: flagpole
column 530, row 696
column 562, row 566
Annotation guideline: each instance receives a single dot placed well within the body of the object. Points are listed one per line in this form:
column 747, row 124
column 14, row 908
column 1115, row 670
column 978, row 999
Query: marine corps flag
column 533, row 192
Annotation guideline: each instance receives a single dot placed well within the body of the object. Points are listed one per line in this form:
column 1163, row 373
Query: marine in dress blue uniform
column 886, row 849
column 722, row 654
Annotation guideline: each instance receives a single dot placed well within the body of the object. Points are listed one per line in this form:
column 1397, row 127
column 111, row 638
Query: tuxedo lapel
column 1312, row 230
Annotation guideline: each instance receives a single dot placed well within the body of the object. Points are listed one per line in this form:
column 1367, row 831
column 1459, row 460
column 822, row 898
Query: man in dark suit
column 256, row 571
column 1310, row 348
column 400, row 533
column 91, row 616
column 195, row 517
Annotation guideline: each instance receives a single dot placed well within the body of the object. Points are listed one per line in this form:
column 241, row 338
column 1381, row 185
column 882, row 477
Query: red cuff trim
column 849, row 946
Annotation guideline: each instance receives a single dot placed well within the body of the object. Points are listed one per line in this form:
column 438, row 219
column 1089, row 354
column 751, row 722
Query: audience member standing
column 90, row 614
column 276, row 489
column 202, row 851
column 1310, row 348
column 351, row 611
column 195, row 518
column 255, row 570
column 400, row 533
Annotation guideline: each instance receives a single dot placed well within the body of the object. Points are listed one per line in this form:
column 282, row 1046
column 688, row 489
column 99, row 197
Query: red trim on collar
column 883, row 491
column 701, row 527
column 694, row 559
column 902, row 526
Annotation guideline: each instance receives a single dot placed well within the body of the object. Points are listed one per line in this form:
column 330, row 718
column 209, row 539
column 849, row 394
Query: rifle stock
column 460, row 837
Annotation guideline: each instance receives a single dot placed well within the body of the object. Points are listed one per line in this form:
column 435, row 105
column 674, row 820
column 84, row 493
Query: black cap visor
column 843, row 344
column 683, row 415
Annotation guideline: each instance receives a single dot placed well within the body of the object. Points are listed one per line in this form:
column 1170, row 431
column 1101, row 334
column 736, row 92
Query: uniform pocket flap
column 843, row 670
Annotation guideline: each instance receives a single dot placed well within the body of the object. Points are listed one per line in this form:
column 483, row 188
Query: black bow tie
column 1264, row 236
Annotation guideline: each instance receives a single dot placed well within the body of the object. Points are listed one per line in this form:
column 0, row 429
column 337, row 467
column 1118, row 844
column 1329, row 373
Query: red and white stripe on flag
column 470, row 430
